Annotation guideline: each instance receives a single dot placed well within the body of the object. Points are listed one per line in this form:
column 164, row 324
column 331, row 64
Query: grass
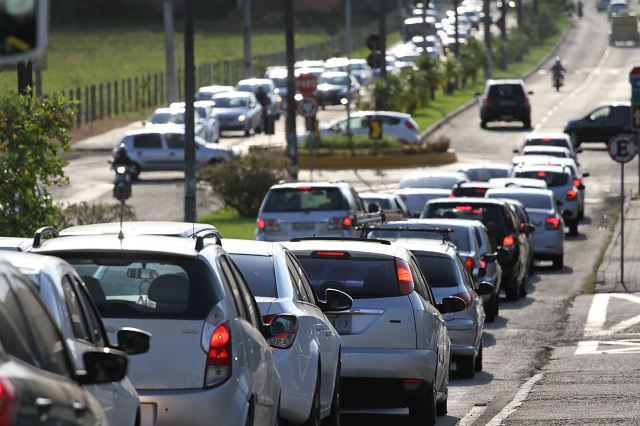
column 230, row 224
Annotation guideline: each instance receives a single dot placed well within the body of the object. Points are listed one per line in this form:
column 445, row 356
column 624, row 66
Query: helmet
column 120, row 152
column 557, row 58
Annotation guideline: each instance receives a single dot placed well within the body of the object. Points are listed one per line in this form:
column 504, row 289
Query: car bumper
column 548, row 243
column 298, row 376
column 500, row 114
column 463, row 334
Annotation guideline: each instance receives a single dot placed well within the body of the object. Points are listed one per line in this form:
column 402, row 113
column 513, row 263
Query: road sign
column 375, row 128
column 306, row 84
column 622, row 148
column 635, row 116
column 373, row 42
column 308, row 107
column 634, row 79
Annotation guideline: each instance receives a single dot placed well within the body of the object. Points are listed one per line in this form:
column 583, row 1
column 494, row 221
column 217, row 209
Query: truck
column 624, row 27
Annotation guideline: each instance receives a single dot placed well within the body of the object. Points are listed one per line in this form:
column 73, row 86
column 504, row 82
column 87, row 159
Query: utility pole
column 172, row 85
column 292, row 142
column 348, row 49
column 486, row 9
column 382, row 25
column 246, row 17
column 456, row 45
column 25, row 78
column 189, row 117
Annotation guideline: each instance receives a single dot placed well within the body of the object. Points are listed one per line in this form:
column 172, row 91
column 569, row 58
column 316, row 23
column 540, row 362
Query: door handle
column 43, row 405
column 79, row 408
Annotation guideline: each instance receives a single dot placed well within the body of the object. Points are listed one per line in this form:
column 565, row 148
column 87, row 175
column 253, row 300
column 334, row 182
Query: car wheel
column 581, row 214
column 575, row 139
column 442, row 407
column 422, row 412
column 466, row 366
column 135, row 170
column 314, row 415
column 483, row 124
column 527, row 123
column 512, row 293
column 573, row 227
column 522, row 289
column 333, row 419
column 490, row 309
column 558, row 261
column 247, row 132
column 479, row 365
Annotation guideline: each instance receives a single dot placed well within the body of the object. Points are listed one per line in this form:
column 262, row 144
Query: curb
column 379, row 161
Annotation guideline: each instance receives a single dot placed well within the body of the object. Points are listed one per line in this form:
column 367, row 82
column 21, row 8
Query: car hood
column 571, row 124
column 229, row 112
column 325, row 87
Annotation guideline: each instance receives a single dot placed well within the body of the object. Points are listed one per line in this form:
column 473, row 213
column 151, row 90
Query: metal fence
column 97, row 101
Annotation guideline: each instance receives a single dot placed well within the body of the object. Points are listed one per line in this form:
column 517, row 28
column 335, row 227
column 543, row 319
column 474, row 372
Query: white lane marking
column 597, row 315
column 609, row 347
column 520, row 397
column 472, row 415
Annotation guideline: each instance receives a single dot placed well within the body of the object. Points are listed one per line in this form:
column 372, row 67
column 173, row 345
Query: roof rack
column 207, row 233
column 362, row 240
column 37, row 237
column 443, row 231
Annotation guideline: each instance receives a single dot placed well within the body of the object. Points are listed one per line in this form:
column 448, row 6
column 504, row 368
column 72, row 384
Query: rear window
column 441, row 182
column 304, row 198
column 469, row 191
column 149, row 287
column 440, row 271
column 551, row 178
column 491, row 215
column 459, row 238
column 483, row 175
column 359, row 277
column 530, row 201
column 547, row 142
column 383, row 203
column 513, row 91
column 258, row 271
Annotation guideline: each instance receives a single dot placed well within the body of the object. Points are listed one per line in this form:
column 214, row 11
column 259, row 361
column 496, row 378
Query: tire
column 466, row 366
column 479, row 365
column 573, row 227
column 442, row 407
column 314, row 415
column 490, row 309
column 522, row 288
column 333, row 419
column 575, row 139
column 527, row 123
column 422, row 412
column 247, row 132
column 581, row 214
column 558, row 262
column 135, row 171
column 513, row 293
column 483, row 124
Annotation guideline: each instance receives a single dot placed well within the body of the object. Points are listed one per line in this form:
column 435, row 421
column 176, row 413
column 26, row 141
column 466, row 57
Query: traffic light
column 24, row 31
column 375, row 58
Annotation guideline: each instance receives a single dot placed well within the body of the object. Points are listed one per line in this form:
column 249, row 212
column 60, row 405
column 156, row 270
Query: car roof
column 429, row 223
column 30, row 263
column 158, row 128
column 388, row 196
column 354, row 245
column 545, row 135
column 169, row 228
column 518, row 181
column 255, row 81
column 431, row 246
column 296, row 185
column 252, row 247
column 541, row 167
column 500, row 166
column 546, row 148
column 233, row 94
column 466, row 200
column 15, row 243
column 520, row 191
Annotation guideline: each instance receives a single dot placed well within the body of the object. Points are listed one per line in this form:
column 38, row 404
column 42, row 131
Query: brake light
column 509, row 244
column 483, row 263
column 303, row 188
column 577, row 182
column 468, row 301
column 571, row 194
column 8, row 401
column 280, row 341
column 546, row 139
column 270, row 225
column 409, row 125
column 405, row 280
column 330, row 254
column 552, row 222
column 347, row 222
column 541, row 174
column 470, row 263
column 260, row 223
column 452, row 195
column 219, row 356
column 464, row 208
column 480, row 191
column 339, row 222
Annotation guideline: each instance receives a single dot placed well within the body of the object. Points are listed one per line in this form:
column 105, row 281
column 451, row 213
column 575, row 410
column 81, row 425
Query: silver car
column 395, row 343
column 416, row 188
column 207, row 120
column 209, row 362
column 69, row 300
column 540, row 204
column 238, row 111
column 447, row 275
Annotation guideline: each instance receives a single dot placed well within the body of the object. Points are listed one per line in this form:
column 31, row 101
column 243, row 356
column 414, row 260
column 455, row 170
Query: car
column 447, row 276
column 40, row 383
column 142, row 227
column 484, row 171
column 279, row 77
column 162, row 148
column 206, row 118
column 69, row 300
column 238, row 111
column 471, row 241
column 504, row 230
column 15, row 243
column 395, row 125
column 205, row 93
column 386, row 202
column 300, row 209
column 617, row 6
column 391, row 298
column 519, row 182
column 274, row 107
column 361, row 71
column 472, row 189
column 505, row 100
column 546, row 139
column 209, row 361
column 560, row 180
column 309, row 63
column 335, row 87
column 602, row 5
column 524, row 223
column 542, row 208
column 308, row 359
column 173, row 115
column 600, row 124
column 416, row 188
column 550, row 151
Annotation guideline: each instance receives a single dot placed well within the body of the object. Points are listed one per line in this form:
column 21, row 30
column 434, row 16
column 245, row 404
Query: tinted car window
column 551, row 178
column 175, row 141
column 491, row 215
column 533, row 201
column 150, row 140
column 383, row 203
column 513, row 91
column 459, row 238
column 14, row 330
column 359, row 277
column 441, row 271
column 312, row 199
column 484, row 175
column 258, row 271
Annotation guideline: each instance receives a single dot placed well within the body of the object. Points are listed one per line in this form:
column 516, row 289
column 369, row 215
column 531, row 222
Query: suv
column 545, row 140
column 601, row 124
column 505, row 100
column 395, row 344
column 161, row 148
column 193, row 299
column 303, row 209
column 504, row 230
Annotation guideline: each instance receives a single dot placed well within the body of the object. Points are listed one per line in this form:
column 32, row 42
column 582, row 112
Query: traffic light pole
column 189, row 117
column 383, row 40
column 292, row 143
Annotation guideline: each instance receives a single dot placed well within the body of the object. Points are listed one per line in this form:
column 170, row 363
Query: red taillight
column 409, row 125
column 577, row 182
column 8, row 401
column 541, row 174
column 405, row 280
column 571, row 194
column 280, row 341
column 480, row 191
column 452, row 195
column 464, row 208
column 219, row 356
column 303, row 188
column 470, row 263
column 347, row 222
column 269, row 225
column 468, row 300
column 509, row 244
column 483, row 263
column 260, row 223
column 552, row 222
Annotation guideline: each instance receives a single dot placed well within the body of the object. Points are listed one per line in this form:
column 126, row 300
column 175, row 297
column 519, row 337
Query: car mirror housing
column 133, row 341
column 280, row 324
column 485, row 287
column 336, row 300
column 478, row 272
column 104, row 365
column 502, row 255
column 451, row 304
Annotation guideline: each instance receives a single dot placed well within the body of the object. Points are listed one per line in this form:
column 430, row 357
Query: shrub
column 86, row 213
column 243, row 182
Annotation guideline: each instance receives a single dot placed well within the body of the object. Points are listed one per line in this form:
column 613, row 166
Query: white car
column 394, row 124
column 274, row 107
column 416, row 188
column 173, row 115
column 308, row 359
column 69, row 300
column 206, row 117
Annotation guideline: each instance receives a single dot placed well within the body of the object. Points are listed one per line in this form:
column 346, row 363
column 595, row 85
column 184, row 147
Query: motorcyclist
column 558, row 69
column 121, row 158
column 122, row 188
column 579, row 8
column 262, row 97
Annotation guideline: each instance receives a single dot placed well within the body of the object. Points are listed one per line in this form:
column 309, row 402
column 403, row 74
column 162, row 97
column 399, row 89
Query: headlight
column 242, row 117
column 298, row 97
column 278, row 99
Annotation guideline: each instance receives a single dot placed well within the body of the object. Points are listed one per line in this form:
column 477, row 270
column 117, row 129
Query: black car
column 473, row 189
column 601, row 124
column 505, row 100
column 504, row 230
column 334, row 87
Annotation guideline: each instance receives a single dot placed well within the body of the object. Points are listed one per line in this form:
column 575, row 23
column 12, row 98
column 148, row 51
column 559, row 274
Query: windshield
column 230, row 102
column 336, row 81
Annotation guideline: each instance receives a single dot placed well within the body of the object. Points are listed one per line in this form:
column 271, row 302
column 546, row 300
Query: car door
column 149, row 151
column 598, row 125
column 175, row 143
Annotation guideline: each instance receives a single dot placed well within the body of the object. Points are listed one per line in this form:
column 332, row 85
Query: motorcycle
column 579, row 11
column 557, row 80
column 122, row 182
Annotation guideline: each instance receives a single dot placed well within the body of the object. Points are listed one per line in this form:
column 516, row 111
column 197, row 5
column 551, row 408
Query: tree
column 433, row 71
column 33, row 131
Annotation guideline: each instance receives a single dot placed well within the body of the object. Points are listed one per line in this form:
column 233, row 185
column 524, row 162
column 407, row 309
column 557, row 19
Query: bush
column 243, row 182
column 85, row 214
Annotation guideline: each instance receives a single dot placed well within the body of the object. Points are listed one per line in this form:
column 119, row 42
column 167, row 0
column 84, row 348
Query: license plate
column 301, row 227
column 507, row 103
column 342, row 323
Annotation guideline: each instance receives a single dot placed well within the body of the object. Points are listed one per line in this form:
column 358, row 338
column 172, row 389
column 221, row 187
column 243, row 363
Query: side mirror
column 516, row 150
column 485, row 287
column 104, row 365
column 477, row 93
column 451, row 304
column 478, row 272
column 586, row 174
column 133, row 341
column 528, row 228
column 280, row 324
column 336, row 300
column 489, row 257
column 502, row 255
